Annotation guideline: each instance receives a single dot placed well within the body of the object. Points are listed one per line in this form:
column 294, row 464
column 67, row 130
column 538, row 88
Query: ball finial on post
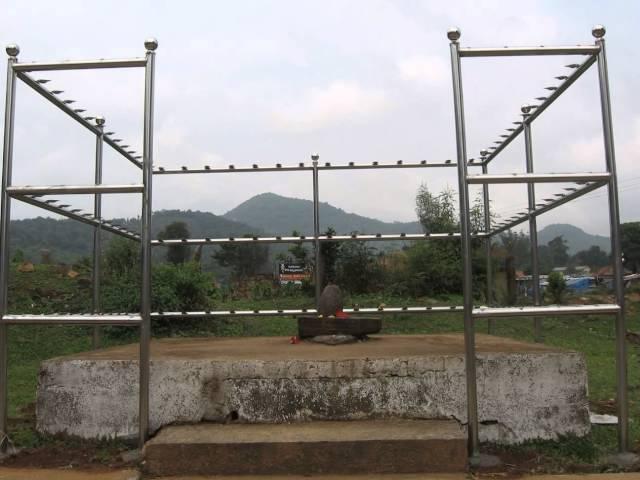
column 315, row 157
column 453, row 34
column 484, row 153
column 526, row 108
column 12, row 50
column 151, row 44
column 598, row 31
column 100, row 121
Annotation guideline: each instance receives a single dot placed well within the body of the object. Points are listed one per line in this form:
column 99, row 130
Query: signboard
column 294, row 273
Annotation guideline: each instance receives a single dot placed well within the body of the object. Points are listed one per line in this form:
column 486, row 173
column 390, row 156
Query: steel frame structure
column 585, row 183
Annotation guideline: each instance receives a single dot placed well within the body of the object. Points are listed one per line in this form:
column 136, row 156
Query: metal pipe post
column 97, row 231
column 487, row 244
column 616, row 250
column 5, row 215
column 316, row 229
column 465, row 230
column 145, row 294
column 533, row 223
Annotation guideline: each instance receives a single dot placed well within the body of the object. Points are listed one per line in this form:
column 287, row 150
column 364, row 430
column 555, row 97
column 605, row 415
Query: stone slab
column 525, row 390
column 372, row 446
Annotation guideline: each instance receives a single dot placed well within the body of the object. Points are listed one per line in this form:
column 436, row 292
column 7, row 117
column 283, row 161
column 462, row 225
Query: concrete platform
column 371, row 446
column 525, row 390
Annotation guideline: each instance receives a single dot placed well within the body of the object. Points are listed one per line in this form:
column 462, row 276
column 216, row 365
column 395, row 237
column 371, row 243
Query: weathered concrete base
column 308, row 448
column 525, row 390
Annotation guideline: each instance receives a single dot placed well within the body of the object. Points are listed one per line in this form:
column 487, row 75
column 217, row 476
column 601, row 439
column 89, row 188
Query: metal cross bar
column 529, row 51
column 72, row 319
column 72, row 189
column 299, row 167
column 538, row 178
column 80, row 64
column 312, row 238
column 307, row 311
column 489, row 312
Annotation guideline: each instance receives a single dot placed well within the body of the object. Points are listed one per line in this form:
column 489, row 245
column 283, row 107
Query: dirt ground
column 280, row 348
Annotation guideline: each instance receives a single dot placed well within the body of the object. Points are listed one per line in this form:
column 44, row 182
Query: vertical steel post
column 465, row 229
column 316, row 229
column 145, row 239
column 97, row 231
column 487, row 246
column 622, row 400
column 533, row 223
column 5, row 216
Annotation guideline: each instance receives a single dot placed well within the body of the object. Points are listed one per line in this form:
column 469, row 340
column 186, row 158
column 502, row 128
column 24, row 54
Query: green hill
column 576, row 238
column 282, row 215
column 68, row 240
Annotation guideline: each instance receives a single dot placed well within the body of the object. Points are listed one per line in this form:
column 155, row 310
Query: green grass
column 45, row 290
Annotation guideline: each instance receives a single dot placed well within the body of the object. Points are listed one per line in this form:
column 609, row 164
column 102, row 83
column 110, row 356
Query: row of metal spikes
column 487, row 154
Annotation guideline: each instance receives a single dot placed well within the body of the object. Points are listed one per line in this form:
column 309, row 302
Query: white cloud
column 337, row 103
column 430, row 70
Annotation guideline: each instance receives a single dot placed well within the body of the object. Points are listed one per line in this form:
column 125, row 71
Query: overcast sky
column 273, row 81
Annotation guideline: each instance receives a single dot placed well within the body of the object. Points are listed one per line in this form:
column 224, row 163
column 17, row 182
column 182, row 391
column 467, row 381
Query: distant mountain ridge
column 262, row 214
column 576, row 238
column 281, row 215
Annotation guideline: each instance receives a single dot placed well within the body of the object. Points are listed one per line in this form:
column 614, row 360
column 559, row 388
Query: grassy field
column 593, row 336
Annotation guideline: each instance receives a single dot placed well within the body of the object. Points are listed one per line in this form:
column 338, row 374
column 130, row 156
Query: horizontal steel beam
column 80, row 64
column 299, row 167
column 553, row 310
column 529, row 51
column 577, row 73
column 311, row 239
column 76, row 116
column 88, row 219
column 538, row 178
column 549, row 206
column 72, row 189
column 71, row 319
column 306, row 311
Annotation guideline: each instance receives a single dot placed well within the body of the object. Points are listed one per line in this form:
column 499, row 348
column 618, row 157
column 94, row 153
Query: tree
column 556, row 287
column 358, row 270
column 122, row 257
column 436, row 213
column 176, row 231
column 245, row 259
column 594, row 257
column 630, row 240
column 18, row 256
column 298, row 250
column 328, row 258
column 559, row 251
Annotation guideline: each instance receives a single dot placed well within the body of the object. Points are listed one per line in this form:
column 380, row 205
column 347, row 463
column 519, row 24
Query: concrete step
column 356, row 447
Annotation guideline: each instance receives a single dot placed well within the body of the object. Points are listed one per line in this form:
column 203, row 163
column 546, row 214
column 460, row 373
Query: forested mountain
column 282, row 215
